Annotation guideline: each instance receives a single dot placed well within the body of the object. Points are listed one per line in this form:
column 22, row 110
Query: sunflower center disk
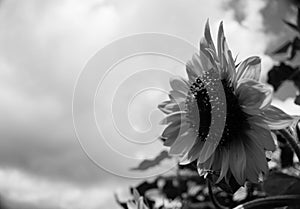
column 199, row 112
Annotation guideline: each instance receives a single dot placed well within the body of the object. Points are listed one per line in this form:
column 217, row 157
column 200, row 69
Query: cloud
column 44, row 46
column 25, row 189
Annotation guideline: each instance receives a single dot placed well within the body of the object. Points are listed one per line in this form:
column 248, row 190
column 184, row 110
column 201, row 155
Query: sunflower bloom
column 222, row 115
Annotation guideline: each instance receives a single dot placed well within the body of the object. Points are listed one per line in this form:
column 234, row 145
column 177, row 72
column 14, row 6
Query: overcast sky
column 44, row 47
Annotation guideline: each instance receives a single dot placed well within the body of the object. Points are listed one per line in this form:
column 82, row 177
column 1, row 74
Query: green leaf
column 291, row 25
column 149, row 163
column 280, row 73
column 298, row 17
column 279, row 183
column 283, row 48
column 297, row 101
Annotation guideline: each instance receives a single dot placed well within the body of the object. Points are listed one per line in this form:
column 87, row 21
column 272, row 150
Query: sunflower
column 222, row 115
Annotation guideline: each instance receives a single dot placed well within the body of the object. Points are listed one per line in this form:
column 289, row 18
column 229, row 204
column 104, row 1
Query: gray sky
column 44, row 47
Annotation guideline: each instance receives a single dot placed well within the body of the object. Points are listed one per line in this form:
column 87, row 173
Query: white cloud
column 28, row 189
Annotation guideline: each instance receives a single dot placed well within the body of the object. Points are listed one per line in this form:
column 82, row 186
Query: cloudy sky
column 45, row 45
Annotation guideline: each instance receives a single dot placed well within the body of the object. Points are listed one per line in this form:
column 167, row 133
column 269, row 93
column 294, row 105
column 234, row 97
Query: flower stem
column 212, row 196
column 271, row 202
column 291, row 140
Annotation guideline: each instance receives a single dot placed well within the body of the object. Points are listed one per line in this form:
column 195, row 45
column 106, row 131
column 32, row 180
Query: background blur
column 44, row 45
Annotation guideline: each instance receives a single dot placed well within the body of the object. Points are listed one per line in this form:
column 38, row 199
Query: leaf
column 296, row 78
column 296, row 43
column 144, row 165
column 291, row 25
column 279, row 183
column 298, row 18
column 286, row 152
column 283, row 48
column 295, row 48
column 298, row 130
column 286, row 156
column 122, row 204
column 231, row 187
column 145, row 186
column 280, row 73
column 174, row 188
column 297, row 101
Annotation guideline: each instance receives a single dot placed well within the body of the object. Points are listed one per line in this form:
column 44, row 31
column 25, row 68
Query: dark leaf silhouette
column 284, row 48
column 297, row 100
column 280, row 73
column 291, row 25
column 174, row 188
column 230, row 188
column 286, row 154
column 144, row 165
column 298, row 129
column 145, row 186
column 298, row 17
column 279, row 183
column 295, row 48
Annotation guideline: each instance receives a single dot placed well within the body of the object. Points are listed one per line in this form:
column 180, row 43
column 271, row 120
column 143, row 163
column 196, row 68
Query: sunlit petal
column 168, row 107
column 173, row 117
column 253, row 96
column 179, row 84
column 276, row 118
column 193, row 154
column 183, row 143
column 205, row 166
column 249, row 69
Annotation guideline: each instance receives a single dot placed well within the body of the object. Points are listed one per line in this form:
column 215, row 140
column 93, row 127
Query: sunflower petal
column 231, row 66
column 253, row 96
column 221, row 40
column 207, row 150
column 237, row 161
column 256, row 160
column 179, row 84
column 191, row 72
column 171, row 135
column 193, row 153
column 225, row 56
column 217, row 164
column 276, row 118
column 249, row 69
column 173, row 117
column 262, row 136
column 205, row 166
column 168, row 107
column 211, row 55
column 225, row 165
column 171, row 128
column 177, row 95
column 197, row 64
column 208, row 37
column 204, row 59
column 183, row 143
